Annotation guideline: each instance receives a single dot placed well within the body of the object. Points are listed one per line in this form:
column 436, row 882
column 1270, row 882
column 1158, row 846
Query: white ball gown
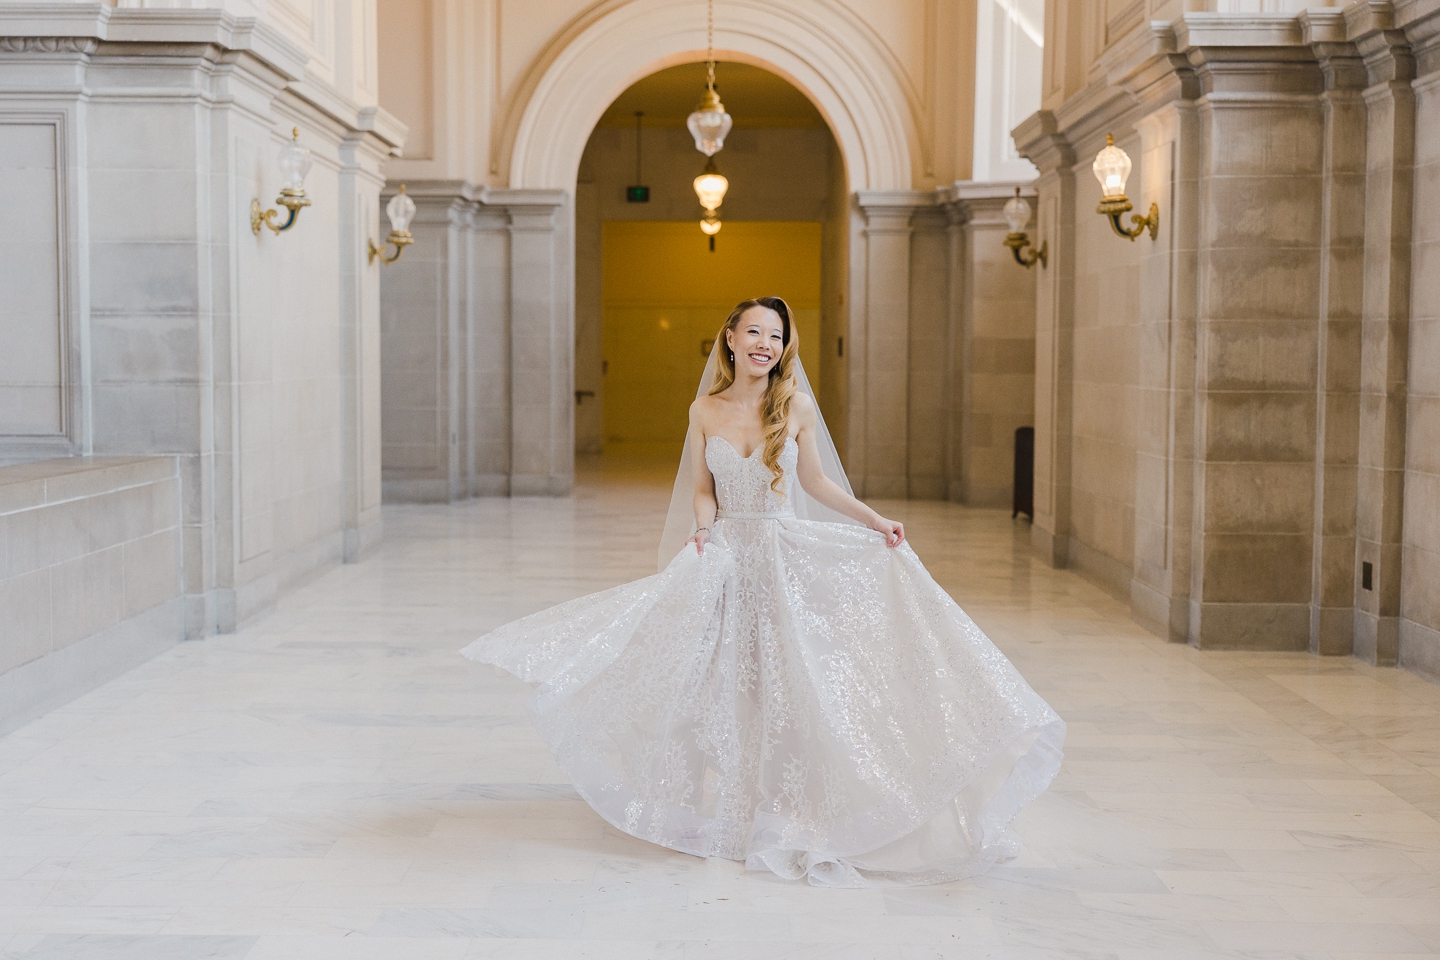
column 801, row 697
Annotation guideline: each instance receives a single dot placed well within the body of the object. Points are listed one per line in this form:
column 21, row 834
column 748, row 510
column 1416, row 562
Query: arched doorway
column 651, row 289
column 480, row 398
column 854, row 83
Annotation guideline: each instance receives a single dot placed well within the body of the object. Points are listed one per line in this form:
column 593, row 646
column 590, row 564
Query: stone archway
column 864, row 95
column 820, row 48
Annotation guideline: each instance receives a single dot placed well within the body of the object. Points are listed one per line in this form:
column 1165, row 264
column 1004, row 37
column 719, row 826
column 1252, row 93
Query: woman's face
column 757, row 341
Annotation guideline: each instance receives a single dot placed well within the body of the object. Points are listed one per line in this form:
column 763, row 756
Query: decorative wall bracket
column 259, row 216
column 1117, row 207
column 1019, row 241
column 397, row 239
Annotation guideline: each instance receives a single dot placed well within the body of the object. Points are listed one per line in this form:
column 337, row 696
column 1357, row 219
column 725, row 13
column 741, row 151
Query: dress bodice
column 742, row 484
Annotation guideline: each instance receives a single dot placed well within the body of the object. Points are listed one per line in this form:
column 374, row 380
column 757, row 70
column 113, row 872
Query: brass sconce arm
column 1117, row 207
column 399, row 239
column 1019, row 241
column 292, row 201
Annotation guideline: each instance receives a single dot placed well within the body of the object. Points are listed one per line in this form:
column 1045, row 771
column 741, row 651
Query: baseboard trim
column 1101, row 569
column 1420, row 649
column 1250, row 626
column 35, row 688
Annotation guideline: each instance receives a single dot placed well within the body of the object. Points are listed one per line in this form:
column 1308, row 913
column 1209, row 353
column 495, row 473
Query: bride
column 792, row 689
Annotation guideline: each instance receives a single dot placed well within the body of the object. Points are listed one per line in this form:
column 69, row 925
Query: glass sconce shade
column 295, row 163
column 1017, row 217
column 400, row 210
column 1016, row 213
column 710, row 124
column 710, row 226
column 710, row 187
column 1112, row 168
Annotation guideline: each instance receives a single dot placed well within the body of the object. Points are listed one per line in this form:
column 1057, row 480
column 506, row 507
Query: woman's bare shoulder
column 703, row 408
column 802, row 407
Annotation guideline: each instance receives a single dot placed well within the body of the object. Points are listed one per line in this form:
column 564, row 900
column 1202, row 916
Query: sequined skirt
column 801, row 697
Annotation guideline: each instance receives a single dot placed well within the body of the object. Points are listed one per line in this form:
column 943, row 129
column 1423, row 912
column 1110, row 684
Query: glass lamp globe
column 295, row 163
column 400, row 210
column 710, row 124
column 710, row 187
column 1112, row 169
column 709, row 226
column 1016, row 213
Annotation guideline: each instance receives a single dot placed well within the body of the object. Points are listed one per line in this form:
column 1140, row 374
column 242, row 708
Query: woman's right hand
column 700, row 538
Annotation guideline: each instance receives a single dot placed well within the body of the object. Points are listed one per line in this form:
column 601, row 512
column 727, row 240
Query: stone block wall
column 1419, row 628
column 90, row 551
column 140, row 137
column 1235, row 416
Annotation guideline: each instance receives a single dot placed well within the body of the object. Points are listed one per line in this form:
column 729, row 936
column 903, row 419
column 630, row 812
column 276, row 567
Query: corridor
column 334, row 781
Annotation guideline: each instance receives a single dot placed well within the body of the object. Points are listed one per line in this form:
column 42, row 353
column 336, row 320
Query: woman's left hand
column 894, row 531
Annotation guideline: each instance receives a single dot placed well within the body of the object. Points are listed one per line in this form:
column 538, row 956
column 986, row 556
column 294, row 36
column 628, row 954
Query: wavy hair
column 775, row 405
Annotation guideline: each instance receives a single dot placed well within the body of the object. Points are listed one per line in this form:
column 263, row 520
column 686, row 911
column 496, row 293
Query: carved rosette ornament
column 48, row 44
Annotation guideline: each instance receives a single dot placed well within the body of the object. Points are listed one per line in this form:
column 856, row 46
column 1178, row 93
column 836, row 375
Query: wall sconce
column 294, row 164
column 400, row 210
column 1112, row 169
column 1017, row 217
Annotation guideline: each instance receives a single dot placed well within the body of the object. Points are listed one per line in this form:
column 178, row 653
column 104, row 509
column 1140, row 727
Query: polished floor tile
column 334, row 781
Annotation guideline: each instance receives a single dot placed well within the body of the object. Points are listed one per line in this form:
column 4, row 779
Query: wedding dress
column 800, row 696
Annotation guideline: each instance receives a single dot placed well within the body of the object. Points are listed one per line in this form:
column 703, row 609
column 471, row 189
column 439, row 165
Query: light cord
column 710, row 42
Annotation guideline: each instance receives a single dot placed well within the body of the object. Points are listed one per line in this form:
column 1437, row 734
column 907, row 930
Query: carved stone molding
column 840, row 64
column 83, row 45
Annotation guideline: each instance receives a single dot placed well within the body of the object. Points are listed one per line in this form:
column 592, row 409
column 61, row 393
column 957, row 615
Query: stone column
column 1342, row 243
column 490, row 273
column 1165, row 437
column 422, row 309
column 994, row 346
column 928, row 371
column 360, row 182
column 1389, row 194
column 542, row 342
column 1258, row 281
column 956, row 350
column 1039, row 140
column 878, row 440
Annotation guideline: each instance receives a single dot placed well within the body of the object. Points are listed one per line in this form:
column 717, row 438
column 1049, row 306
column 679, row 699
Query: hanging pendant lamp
column 709, row 124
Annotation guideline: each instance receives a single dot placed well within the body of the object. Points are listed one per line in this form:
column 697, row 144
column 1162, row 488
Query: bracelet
column 698, row 529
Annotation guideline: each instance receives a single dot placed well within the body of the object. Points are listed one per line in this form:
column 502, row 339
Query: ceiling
column 754, row 97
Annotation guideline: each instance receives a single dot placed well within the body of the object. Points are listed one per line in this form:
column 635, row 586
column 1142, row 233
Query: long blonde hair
column 775, row 405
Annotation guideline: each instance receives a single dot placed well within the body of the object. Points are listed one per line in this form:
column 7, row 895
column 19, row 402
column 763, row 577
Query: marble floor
column 333, row 781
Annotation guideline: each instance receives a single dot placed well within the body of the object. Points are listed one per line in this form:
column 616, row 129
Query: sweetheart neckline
column 733, row 449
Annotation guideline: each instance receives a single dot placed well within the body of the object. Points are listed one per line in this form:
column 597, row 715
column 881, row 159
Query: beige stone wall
column 1420, row 591
column 1232, row 416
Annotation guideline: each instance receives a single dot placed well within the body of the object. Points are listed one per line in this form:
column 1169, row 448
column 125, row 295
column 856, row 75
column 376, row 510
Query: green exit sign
column 637, row 194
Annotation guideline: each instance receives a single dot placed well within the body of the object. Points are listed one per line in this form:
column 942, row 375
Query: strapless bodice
column 742, row 484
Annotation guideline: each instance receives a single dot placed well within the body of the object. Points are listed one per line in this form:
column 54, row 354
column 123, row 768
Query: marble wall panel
column 33, row 364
